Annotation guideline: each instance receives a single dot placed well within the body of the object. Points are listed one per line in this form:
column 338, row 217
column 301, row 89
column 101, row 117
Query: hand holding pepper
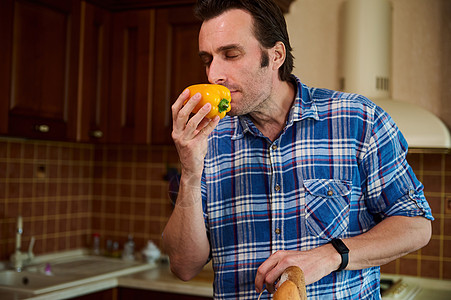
column 217, row 95
column 209, row 103
column 190, row 133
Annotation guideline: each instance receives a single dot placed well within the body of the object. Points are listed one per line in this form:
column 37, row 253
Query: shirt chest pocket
column 327, row 207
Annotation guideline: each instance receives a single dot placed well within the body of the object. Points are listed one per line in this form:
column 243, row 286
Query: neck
column 271, row 119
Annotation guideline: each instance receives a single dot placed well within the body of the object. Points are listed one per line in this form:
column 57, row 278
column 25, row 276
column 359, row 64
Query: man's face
column 234, row 58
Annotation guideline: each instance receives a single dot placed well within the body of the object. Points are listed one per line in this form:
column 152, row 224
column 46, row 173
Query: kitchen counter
column 63, row 293
column 161, row 279
column 419, row 288
column 154, row 278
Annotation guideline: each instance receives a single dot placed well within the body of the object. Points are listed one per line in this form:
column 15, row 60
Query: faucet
column 19, row 259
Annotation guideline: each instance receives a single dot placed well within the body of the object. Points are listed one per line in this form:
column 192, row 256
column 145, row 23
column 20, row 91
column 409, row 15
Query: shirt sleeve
column 204, row 208
column 392, row 189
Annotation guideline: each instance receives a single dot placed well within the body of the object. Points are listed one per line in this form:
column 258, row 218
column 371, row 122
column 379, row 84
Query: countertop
column 157, row 278
column 422, row 288
column 160, row 278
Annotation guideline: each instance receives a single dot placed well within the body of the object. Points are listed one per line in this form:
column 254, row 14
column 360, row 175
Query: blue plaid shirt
column 336, row 170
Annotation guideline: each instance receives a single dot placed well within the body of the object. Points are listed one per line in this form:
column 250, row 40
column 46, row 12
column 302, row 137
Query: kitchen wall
column 50, row 185
column 434, row 260
column 421, row 43
column 130, row 193
column 68, row 191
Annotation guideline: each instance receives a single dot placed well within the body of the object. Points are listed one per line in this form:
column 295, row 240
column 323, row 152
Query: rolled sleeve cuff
column 411, row 204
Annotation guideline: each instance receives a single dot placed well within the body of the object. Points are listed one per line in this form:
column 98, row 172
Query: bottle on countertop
column 96, row 244
column 129, row 249
column 108, row 249
column 116, row 253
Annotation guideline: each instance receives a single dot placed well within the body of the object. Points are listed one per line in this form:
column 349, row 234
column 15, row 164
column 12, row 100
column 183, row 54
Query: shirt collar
column 303, row 108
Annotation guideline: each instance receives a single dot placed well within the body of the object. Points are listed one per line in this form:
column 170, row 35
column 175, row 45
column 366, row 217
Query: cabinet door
column 6, row 25
column 93, row 89
column 42, row 77
column 111, row 294
column 177, row 65
column 131, row 77
column 129, row 293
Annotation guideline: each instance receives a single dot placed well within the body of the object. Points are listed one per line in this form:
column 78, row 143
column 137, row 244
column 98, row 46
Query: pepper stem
column 223, row 105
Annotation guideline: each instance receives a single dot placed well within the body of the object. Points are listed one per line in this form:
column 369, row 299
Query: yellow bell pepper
column 217, row 95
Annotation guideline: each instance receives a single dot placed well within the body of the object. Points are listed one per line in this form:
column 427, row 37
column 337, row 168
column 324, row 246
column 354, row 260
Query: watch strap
column 343, row 251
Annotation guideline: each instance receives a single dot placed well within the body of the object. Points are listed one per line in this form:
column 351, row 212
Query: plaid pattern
column 336, row 170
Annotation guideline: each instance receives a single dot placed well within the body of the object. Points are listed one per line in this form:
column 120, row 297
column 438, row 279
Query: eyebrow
column 222, row 49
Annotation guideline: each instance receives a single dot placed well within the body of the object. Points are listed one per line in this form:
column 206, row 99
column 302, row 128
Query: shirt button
column 277, row 187
column 278, row 230
column 274, row 147
column 330, row 193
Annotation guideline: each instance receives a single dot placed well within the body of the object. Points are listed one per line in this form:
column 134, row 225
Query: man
column 293, row 176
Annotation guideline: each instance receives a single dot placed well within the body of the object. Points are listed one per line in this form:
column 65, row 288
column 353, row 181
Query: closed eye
column 232, row 54
column 205, row 58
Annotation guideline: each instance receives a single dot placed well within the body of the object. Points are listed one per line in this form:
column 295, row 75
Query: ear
column 279, row 53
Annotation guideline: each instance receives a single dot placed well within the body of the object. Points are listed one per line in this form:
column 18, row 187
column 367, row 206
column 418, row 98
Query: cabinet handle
column 42, row 128
column 96, row 134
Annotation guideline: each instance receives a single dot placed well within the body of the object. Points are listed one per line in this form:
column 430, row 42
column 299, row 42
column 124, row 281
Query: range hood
column 367, row 67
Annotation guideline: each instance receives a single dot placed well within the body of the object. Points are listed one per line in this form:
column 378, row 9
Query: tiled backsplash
column 130, row 194
column 68, row 191
column 434, row 260
column 50, row 185
column 65, row 192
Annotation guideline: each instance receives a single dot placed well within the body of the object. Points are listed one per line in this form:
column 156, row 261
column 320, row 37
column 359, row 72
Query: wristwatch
column 343, row 250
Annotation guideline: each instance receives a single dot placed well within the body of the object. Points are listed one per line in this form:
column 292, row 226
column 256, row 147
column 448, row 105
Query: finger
column 274, row 275
column 181, row 111
column 177, row 105
column 262, row 271
column 208, row 128
column 270, row 282
column 270, row 270
column 197, row 122
column 204, row 123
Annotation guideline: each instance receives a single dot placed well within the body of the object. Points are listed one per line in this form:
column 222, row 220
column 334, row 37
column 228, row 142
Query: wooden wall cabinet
column 55, row 76
column 131, row 76
column 177, row 65
column 93, row 74
column 155, row 56
column 74, row 71
column 6, row 24
column 41, row 58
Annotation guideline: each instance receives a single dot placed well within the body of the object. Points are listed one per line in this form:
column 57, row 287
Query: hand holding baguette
column 291, row 285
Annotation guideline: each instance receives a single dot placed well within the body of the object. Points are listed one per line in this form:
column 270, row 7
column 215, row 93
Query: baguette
column 291, row 285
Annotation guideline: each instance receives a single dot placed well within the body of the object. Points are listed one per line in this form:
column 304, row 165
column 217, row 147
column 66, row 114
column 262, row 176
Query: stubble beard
column 250, row 104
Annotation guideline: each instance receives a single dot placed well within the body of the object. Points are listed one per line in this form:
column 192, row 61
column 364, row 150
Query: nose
column 216, row 72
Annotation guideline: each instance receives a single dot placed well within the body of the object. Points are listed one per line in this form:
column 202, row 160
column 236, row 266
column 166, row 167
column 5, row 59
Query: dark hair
column 269, row 24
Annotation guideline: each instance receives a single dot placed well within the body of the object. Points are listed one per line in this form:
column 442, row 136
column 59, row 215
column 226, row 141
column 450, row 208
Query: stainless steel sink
column 83, row 266
column 67, row 272
column 29, row 281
